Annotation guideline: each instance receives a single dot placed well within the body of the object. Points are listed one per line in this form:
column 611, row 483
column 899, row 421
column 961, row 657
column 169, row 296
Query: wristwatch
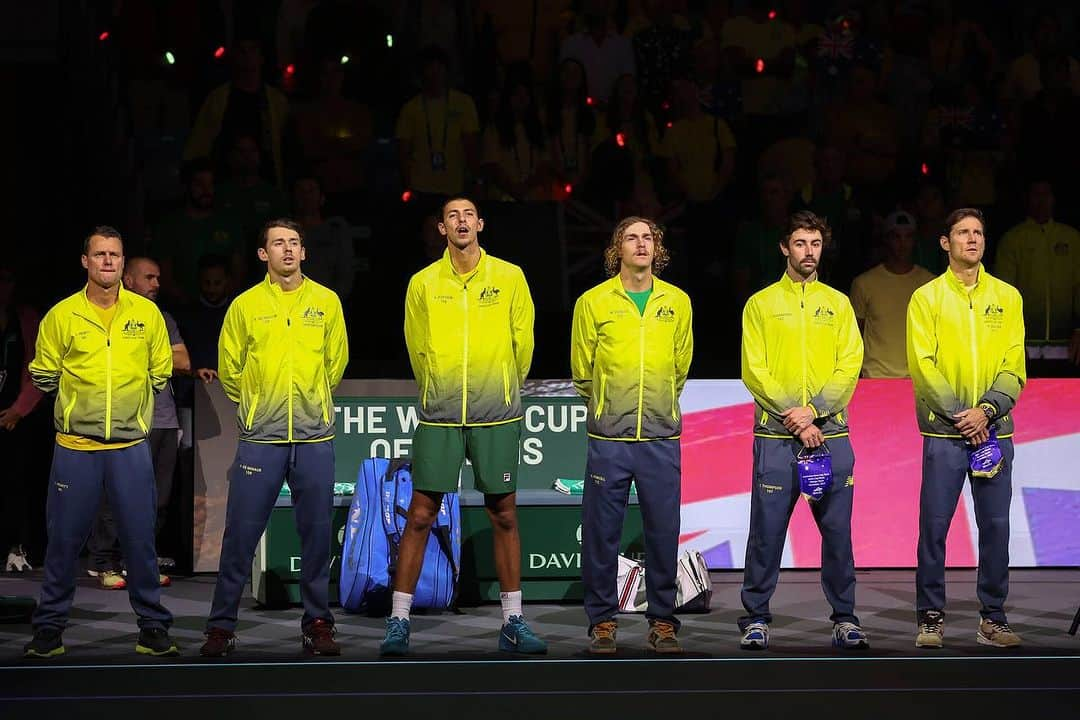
column 988, row 409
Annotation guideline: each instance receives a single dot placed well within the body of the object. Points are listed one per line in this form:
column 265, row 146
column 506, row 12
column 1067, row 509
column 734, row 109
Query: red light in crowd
column 568, row 188
column 589, row 100
column 665, row 105
column 759, row 66
column 772, row 14
column 846, row 25
column 925, row 169
column 620, row 139
column 220, row 52
column 406, row 196
column 290, row 69
column 669, row 123
column 103, row 36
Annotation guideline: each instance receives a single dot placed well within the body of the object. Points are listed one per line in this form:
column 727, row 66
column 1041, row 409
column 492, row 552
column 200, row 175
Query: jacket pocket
column 250, row 419
column 139, row 412
column 427, row 387
column 674, row 402
column 328, row 402
column 600, row 396
column 67, row 411
column 506, row 384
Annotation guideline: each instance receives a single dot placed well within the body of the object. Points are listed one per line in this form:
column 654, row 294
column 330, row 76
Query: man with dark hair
column 801, row 355
column 469, row 333
column 142, row 276
column 630, row 351
column 105, row 352
column 283, row 350
column 965, row 347
column 328, row 241
column 187, row 234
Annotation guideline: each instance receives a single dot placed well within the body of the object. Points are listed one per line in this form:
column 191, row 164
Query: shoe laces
column 604, row 630
column 931, row 623
column 846, row 627
column 517, row 622
column 1002, row 627
column 756, row 627
column 663, row 630
column 396, row 629
column 216, row 633
column 321, row 629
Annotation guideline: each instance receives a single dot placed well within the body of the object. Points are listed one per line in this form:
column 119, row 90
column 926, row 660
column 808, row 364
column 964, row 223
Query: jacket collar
column 275, row 289
column 798, row 288
column 123, row 299
column 446, row 268
column 614, row 284
column 955, row 283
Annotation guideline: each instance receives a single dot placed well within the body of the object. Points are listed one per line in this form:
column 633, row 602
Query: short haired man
column 801, row 354
column 469, row 331
column 880, row 295
column 631, row 345
column 965, row 346
column 283, row 350
column 143, row 277
column 105, row 352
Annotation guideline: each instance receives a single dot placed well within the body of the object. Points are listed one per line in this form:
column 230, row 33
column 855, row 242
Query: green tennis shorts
column 438, row 451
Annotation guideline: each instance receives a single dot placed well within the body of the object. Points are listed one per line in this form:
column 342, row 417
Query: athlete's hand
column 9, row 418
column 971, row 423
column 207, row 375
column 811, row 437
column 796, row 419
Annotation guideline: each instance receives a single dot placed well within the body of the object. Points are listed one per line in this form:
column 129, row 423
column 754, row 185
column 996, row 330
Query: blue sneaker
column 849, row 636
column 396, row 641
column 517, row 637
column 755, row 637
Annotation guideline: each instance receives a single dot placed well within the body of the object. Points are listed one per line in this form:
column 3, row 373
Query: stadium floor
column 456, row 668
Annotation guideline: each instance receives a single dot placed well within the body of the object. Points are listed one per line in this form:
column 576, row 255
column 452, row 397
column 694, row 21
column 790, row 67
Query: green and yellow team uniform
column 965, row 349
column 105, row 366
column 632, row 364
column 801, row 347
column 470, row 343
column 280, row 356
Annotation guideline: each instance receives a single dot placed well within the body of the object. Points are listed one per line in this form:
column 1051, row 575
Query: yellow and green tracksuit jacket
column 800, row 347
column 965, row 348
column 105, row 379
column 632, row 366
column 470, row 341
column 280, row 366
column 1043, row 263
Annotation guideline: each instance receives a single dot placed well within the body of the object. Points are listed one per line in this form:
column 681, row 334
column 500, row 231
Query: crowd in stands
column 718, row 118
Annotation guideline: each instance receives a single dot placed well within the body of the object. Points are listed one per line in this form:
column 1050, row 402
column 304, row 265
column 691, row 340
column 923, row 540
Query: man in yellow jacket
column 282, row 351
column 1040, row 257
column 469, row 331
column 965, row 345
column 105, row 353
column 801, row 356
column 631, row 345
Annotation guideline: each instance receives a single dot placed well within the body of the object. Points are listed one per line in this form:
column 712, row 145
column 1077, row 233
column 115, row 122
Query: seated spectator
column 929, row 210
column 1041, row 258
column 570, row 124
column 197, row 229
column 880, row 297
column 444, row 23
column 328, row 242
column 200, row 322
column 18, row 398
column 752, row 37
column 437, row 133
column 524, row 31
column 624, row 156
column 606, row 55
column 757, row 262
column 515, row 158
column 831, row 197
column 1023, row 80
column 245, row 105
column 699, row 148
column 1047, row 142
column 661, row 52
column 245, row 195
column 334, row 133
column 959, row 49
column 865, row 129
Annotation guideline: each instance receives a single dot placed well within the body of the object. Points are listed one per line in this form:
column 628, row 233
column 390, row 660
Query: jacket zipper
column 465, row 355
column 974, row 349
column 802, row 334
column 641, row 368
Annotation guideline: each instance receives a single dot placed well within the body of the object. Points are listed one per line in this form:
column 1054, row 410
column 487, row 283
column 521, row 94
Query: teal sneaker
column 396, row 642
column 517, row 637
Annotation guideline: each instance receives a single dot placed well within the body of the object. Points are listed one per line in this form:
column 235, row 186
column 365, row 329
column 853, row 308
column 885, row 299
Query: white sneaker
column 16, row 560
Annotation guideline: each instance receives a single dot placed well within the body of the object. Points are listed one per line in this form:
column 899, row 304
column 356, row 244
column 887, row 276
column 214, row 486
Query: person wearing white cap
column 880, row 298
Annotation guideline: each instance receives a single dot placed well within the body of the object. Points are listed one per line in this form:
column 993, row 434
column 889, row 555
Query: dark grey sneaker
column 156, row 642
column 47, row 643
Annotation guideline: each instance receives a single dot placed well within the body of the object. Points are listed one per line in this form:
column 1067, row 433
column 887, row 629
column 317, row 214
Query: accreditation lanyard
column 427, row 121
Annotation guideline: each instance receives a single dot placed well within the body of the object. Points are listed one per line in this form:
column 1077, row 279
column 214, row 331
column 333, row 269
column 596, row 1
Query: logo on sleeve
column 134, row 329
column 489, row 296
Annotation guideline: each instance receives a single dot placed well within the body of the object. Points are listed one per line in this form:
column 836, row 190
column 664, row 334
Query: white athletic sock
column 402, row 604
column 511, row 604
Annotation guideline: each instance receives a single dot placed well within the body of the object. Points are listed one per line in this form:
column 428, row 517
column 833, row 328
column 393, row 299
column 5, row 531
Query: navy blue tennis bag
column 373, row 534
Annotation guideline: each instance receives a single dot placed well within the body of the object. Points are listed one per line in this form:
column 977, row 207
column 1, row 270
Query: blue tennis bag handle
column 373, row 533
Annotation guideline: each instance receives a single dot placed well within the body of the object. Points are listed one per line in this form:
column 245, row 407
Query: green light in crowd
column 169, row 57
column 344, row 59
column 389, row 41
